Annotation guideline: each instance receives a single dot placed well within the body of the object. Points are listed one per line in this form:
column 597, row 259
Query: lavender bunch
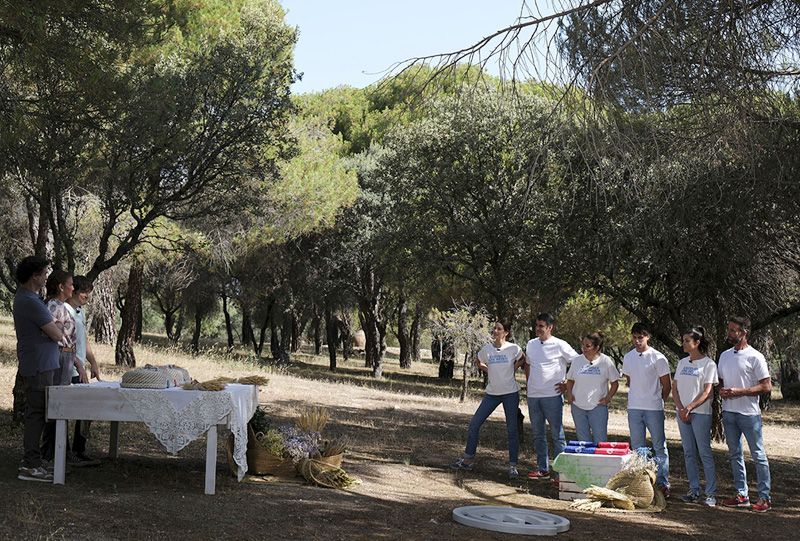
column 299, row 445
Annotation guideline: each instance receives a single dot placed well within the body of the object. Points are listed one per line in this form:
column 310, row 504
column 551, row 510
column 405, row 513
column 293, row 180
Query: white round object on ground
column 510, row 520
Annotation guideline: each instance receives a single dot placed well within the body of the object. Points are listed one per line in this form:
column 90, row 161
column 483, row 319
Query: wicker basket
column 259, row 461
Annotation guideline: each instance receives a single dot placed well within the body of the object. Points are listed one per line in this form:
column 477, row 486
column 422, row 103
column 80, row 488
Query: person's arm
column 53, row 331
column 520, row 361
column 568, row 398
column 95, row 369
column 676, row 397
column 606, row 400
column 483, row 367
column 81, row 371
column 666, row 386
column 763, row 386
column 701, row 397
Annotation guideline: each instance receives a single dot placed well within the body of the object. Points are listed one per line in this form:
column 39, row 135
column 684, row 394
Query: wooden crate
column 578, row 471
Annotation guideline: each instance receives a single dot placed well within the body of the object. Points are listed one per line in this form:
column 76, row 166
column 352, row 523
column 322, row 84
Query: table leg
column 60, row 457
column 211, row 459
column 113, row 441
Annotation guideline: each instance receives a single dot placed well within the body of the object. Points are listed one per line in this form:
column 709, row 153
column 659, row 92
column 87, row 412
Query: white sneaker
column 35, row 474
column 710, row 501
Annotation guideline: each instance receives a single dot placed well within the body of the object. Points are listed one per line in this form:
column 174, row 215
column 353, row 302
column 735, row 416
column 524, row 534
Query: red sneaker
column 761, row 506
column 737, row 501
column 539, row 475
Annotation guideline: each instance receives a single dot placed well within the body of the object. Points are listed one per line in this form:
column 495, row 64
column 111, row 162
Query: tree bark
column 248, row 337
column 464, row 376
column 316, row 324
column 332, row 335
column 373, row 320
column 416, row 332
column 403, row 331
column 228, row 324
column 127, row 332
column 447, row 359
column 103, row 311
column 345, row 334
column 198, row 326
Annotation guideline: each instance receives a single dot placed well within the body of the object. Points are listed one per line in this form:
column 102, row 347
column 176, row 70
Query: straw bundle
column 252, row 380
column 211, row 385
column 636, row 484
column 313, row 419
column 325, row 475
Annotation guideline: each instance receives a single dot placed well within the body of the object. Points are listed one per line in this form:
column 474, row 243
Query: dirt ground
column 403, row 431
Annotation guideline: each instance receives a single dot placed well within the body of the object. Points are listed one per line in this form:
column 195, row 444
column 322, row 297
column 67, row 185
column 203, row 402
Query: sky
column 353, row 42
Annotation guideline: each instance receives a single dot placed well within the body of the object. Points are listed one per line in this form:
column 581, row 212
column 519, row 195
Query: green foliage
column 586, row 312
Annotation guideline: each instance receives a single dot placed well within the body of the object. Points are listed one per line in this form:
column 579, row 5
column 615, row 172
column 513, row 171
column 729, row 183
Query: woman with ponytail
column 692, row 387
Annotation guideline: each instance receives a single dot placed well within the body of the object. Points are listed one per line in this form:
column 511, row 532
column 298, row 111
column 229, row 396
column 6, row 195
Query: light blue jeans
column 591, row 425
column 696, row 439
column 641, row 421
column 489, row 403
column 550, row 409
column 737, row 425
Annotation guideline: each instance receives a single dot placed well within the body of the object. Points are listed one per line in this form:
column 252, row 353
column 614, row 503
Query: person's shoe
column 48, row 466
column 460, row 464
column 664, row 490
column 761, row 506
column 513, row 473
column 691, row 498
column 710, row 501
column 737, row 501
column 81, row 460
column 539, row 475
column 35, row 474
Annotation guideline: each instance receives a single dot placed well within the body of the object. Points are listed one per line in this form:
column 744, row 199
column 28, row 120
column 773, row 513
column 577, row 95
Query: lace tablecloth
column 177, row 417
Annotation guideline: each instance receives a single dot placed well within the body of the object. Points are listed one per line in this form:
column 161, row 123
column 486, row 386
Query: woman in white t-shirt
column 592, row 382
column 692, row 387
column 500, row 360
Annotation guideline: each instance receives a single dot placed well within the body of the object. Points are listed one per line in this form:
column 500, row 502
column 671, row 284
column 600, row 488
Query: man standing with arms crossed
column 38, row 355
column 743, row 376
column 546, row 360
column 648, row 374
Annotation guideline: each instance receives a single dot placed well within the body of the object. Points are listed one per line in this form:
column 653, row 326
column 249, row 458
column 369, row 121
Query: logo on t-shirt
column 497, row 358
column 590, row 369
column 693, row 371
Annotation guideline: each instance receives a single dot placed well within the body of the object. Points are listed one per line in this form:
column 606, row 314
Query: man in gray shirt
column 37, row 352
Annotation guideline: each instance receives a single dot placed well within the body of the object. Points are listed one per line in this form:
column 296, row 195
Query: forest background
column 644, row 168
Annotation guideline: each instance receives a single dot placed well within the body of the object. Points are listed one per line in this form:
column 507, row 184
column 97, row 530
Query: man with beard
column 743, row 376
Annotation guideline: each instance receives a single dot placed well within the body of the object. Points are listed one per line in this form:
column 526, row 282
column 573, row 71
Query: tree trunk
column 315, row 323
column 198, row 326
column 102, row 310
column 345, row 334
column 447, row 359
column 179, row 324
column 228, row 324
column 331, row 331
column 373, row 320
column 464, row 377
column 416, row 332
column 403, row 332
column 127, row 332
column 139, row 318
column 248, row 337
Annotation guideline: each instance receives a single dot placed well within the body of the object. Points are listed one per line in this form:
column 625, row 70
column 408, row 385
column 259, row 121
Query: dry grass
column 402, row 432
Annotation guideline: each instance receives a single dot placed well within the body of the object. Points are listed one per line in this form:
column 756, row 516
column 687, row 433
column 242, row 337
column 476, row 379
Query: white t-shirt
column 644, row 370
column 80, row 335
column 548, row 362
column 591, row 379
column 501, row 367
column 691, row 377
column 743, row 368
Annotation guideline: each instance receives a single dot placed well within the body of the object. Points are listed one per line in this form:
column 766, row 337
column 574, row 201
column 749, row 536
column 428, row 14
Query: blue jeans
column 696, row 439
column 737, row 425
column 591, row 425
column 489, row 403
column 548, row 409
column 641, row 421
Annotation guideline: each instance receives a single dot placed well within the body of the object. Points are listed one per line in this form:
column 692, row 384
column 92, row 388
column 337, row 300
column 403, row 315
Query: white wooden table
column 105, row 402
